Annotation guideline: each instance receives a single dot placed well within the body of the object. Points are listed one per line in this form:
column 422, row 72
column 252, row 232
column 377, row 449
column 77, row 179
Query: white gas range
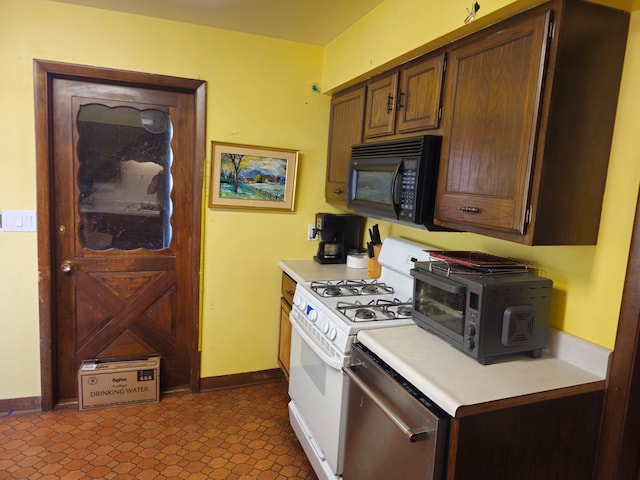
column 326, row 317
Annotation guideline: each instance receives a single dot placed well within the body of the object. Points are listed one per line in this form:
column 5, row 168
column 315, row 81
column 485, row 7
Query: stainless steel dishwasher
column 393, row 430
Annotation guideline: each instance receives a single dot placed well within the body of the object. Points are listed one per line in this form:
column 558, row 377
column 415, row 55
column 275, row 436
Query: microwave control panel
column 408, row 189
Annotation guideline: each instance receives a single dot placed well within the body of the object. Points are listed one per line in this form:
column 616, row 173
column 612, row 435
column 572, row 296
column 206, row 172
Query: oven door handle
column 413, row 434
column 311, row 342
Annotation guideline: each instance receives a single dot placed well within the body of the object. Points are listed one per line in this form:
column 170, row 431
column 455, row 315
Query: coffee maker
column 339, row 234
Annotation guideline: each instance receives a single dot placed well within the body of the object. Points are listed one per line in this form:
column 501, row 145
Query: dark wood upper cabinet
column 345, row 129
column 528, row 120
column 381, row 105
column 528, row 108
column 490, row 124
column 405, row 100
column 420, row 94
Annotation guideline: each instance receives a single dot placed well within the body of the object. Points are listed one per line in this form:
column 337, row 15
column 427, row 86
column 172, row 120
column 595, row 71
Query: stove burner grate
column 404, row 312
column 346, row 288
column 365, row 314
column 379, row 309
column 369, row 289
column 332, row 292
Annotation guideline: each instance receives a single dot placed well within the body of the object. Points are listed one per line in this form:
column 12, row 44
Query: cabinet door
column 287, row 289
column 284, row 348
column 418, row 104
column 381, row 106
column 491, row 119
column 345, row 130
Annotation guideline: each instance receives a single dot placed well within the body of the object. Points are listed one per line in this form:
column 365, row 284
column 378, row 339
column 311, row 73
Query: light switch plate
column 18, row 221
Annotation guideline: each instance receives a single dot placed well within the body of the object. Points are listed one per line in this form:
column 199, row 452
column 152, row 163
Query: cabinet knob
column 467, row 209
column 337, row 191
column 389, row 103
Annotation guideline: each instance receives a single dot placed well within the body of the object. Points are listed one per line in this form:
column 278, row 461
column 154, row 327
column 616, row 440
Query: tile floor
column 239, row 433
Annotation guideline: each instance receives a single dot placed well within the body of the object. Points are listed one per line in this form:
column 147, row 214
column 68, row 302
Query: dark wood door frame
column 44, row 74
column 619, row 450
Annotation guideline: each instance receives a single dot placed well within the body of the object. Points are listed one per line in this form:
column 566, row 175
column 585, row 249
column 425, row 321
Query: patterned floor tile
column 241, row 433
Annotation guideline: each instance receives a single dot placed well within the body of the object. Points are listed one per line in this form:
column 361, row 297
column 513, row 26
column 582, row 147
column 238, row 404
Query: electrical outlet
column 312, row 233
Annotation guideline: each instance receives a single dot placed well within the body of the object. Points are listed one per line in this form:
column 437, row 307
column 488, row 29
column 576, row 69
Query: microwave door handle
column 396, row 191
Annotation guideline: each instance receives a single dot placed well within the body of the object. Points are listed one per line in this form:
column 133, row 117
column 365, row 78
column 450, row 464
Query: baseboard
column 15, row 405
column 241, row 379
column 33, row 404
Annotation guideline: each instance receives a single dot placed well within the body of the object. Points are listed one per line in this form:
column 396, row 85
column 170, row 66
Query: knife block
column 373, row 267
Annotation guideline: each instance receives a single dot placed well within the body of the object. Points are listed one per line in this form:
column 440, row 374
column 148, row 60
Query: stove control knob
column 333, row 333
column 325, row 327
column 313, row 315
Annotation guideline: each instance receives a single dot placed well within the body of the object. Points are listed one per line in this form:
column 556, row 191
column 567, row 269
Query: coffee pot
column 339, row 235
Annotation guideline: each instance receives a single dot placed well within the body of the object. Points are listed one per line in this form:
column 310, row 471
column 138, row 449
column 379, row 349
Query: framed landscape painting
column 247, row 176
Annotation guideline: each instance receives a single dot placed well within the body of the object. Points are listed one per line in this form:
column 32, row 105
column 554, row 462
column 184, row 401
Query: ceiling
column 316, row 22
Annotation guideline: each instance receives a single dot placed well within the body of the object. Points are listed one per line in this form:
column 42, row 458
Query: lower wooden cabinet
column 527, row 439
column 286, row 300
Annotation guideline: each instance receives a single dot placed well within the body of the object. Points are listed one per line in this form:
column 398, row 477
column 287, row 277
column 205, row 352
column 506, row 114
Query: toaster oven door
column 439, row 305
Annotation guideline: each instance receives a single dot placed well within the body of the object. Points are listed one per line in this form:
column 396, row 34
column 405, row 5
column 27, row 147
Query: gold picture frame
column 247, row 176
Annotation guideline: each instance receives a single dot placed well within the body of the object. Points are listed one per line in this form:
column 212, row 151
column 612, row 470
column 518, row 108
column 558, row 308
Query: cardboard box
column 123, row 381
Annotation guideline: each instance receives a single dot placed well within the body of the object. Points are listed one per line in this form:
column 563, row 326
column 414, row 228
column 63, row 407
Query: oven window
column 374, row 186
column 442, row 307
column 314, row 366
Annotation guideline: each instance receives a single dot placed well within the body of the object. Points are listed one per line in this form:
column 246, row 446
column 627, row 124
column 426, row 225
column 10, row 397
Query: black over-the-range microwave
column 395, row 180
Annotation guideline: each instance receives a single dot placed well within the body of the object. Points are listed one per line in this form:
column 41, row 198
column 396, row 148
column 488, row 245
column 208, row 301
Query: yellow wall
column 588, row 280
column 394, row 28
column 259, row 92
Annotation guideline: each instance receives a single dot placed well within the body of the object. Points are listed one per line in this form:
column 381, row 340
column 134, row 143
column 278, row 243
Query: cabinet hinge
column 445, row 63
column 527, row 216
column 552, row 29
column 439, row 113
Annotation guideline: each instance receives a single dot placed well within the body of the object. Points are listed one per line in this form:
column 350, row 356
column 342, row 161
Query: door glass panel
column 124, row 176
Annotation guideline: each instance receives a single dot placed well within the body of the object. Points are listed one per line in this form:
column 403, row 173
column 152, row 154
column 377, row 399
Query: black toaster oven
column 485, row 314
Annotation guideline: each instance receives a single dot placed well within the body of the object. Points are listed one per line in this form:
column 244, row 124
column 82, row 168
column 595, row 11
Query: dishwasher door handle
column 413, row 434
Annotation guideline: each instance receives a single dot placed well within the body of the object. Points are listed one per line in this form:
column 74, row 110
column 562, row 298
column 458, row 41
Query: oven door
column 318, row 391
column 440, row 305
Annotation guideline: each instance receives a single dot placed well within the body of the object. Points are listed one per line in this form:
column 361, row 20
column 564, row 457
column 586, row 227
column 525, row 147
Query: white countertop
column 310, row 271
column 453, row 380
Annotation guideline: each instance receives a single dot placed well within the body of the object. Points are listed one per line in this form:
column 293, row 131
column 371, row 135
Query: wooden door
column 490, row 122
column 419, row 95
column 124, row 210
